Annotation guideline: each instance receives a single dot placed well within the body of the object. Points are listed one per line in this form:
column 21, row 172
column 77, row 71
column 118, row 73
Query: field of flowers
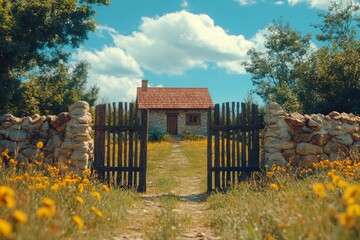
column 39, row 201
column 322, row 202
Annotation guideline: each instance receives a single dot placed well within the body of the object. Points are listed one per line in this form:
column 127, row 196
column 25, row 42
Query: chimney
column 144, row 85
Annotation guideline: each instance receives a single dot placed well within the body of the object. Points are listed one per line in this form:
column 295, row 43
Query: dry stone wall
column 301, row 139
column 64, row 137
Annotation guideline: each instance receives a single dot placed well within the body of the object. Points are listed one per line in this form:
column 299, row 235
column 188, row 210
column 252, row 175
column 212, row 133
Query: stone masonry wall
column 158, row 121
column 301, row 139
column 64, row 137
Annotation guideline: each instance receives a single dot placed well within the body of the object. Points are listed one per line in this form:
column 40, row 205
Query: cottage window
column 193, row 119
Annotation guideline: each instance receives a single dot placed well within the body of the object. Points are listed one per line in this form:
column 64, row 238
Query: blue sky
column 185, row 43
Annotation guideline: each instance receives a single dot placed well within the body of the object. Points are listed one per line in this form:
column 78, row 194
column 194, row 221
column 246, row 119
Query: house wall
column 158, row 121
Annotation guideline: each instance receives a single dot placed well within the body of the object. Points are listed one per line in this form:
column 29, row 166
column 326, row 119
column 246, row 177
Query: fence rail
column 121, row 145
column 233, row 144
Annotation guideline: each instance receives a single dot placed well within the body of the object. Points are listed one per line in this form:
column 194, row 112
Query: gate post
column 143, row 150
column 209, row 151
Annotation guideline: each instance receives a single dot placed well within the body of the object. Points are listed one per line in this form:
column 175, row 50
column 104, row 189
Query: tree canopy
column 274, row 71
column 322, row 80
column 33, row 35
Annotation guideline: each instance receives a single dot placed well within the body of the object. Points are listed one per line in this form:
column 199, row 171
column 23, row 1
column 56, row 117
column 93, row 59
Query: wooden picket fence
column 233, row 144
column 120, row 156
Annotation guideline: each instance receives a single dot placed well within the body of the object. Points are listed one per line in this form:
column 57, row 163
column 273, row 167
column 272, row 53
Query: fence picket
column 119, row 160
column 226, row 158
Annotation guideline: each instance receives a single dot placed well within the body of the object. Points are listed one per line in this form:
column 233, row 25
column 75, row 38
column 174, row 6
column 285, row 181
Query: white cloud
column 115, row 72
column 115, row 89
column 178, row 41
column 111, row 61
column 170, row 44
column 246, row 2
column 322, row 4
column 185, row 4
column 279, row 3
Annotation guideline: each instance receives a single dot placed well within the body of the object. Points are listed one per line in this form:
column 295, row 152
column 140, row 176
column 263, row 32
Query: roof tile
column 174, row 98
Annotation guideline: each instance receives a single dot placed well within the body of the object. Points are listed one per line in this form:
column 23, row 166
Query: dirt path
column 191, row 204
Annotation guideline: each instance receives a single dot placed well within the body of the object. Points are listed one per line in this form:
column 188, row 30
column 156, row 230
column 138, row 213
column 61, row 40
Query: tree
column 331, row 77
column 56, row 89
column 274, row 71
column 33, row 35
column 340, row 24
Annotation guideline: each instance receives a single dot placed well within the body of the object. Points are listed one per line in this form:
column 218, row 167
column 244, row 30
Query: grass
column 41, row 202
column 44, row 202
column 166, row 223
column 318, row 206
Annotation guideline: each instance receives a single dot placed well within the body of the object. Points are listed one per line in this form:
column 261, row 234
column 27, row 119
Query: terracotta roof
column 174, row 98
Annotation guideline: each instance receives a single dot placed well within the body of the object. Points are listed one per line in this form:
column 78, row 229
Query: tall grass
column 39, row 201
column 323, row 204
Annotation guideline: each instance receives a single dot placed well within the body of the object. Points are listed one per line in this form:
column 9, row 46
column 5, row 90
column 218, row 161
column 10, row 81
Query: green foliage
column 324, row 80
column 158, row 136
column 54, row 91
column 33, row 35
column 331, row 76
column 331, row 80
column 340, row 24
column 274, row 71
column 191, row 137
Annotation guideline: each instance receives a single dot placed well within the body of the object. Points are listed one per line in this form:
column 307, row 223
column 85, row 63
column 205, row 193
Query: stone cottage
column 175, row 110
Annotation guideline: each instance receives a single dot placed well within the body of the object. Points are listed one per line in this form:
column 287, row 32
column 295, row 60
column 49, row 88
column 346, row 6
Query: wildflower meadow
column 40, row 201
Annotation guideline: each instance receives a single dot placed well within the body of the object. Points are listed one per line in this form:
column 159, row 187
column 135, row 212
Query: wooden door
column 172, row 124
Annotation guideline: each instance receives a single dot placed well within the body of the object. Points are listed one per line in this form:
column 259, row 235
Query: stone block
column 320, row 139
column 308, row 149
column 332, row 147
column 308, row 161
column 18, row 135
column 345, row 139
column 79, row 104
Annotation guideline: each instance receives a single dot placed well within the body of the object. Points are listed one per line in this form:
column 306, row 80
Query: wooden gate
column 233, row 144
column 121, row 133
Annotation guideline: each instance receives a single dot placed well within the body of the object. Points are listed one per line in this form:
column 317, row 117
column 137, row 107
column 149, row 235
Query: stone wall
column 64, row 137
column 301, row 139
column 158, row 121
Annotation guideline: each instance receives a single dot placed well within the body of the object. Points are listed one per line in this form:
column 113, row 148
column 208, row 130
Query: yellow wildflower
column 96, row 195
column 97, row 211
column 81, row 188
column 12, row 162
column 54, row 188
column 50, row 204
column 319, row 189
column 5, row 229
column 44, row 212
column 106, row 188
column 39, row 145
column 86, row 181
column 19, row 216
column 274, row 186
column 336, row 179
column 351, row 194
column 78, row 221
column 331, row 187
column 343, row 184
column 86, row 172
column 79, row 200
column 346, row 220
column 353, row 210
column 7, row 197
column 269, row 174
